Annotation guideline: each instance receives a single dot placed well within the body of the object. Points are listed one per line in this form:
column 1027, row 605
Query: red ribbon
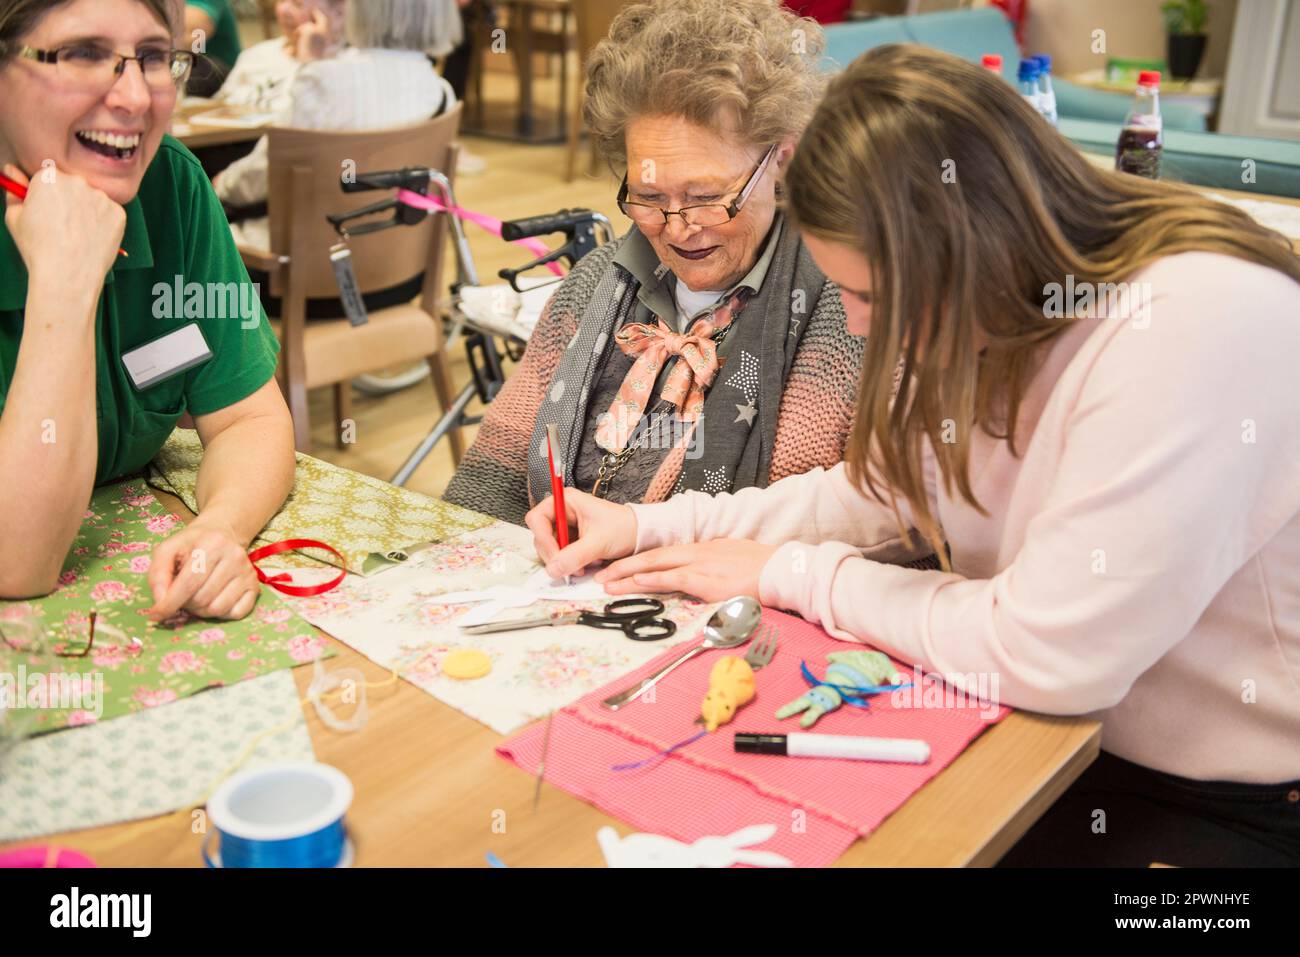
column 278, row 582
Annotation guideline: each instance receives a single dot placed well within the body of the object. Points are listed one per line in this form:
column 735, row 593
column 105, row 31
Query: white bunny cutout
column 655, row 850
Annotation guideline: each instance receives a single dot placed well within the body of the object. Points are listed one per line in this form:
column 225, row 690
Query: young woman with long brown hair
column 1097, row 426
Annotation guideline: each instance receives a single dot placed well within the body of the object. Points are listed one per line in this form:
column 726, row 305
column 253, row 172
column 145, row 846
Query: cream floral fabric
column 148, row 763
column 396, row 621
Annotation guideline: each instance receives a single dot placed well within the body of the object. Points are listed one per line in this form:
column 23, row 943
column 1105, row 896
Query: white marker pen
column 834, row 746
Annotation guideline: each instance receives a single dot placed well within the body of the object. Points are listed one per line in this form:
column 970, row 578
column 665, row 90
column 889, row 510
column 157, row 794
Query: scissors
column 635, row 617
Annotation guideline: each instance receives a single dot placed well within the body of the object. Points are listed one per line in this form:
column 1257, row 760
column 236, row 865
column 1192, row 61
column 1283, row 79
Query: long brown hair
column 967, row 205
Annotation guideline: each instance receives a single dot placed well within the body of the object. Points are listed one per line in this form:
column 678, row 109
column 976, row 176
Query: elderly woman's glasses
column 706, row 214
column 25, row 644
column 93, row 67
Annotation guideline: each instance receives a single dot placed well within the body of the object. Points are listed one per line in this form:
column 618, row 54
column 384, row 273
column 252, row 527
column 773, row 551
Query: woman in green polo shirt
column 90, row 86
column 213, row 23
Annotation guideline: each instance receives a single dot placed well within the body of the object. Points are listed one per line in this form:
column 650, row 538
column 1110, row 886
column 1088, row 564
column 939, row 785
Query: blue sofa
column 1090, row 118
column 972, row 33
column 1206, row 159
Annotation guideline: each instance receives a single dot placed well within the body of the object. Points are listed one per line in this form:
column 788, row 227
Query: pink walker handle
column 489, row 223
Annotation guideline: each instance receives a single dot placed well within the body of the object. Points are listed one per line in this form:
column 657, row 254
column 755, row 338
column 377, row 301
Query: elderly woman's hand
column 313, row 39
column 712, row 571
column 606, row 531
column 65, row 230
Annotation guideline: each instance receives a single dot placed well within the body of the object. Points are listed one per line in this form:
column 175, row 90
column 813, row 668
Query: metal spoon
column 731, row 625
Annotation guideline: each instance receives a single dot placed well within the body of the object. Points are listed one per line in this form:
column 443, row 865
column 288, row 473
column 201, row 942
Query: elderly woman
column 382, row 79
column 704, row 349
column 101, row 175
column 310, row 30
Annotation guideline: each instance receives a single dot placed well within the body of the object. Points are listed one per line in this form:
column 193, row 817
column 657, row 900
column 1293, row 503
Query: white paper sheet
column 539, row 586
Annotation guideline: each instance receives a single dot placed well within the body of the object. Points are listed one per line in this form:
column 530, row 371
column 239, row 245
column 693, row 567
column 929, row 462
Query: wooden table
column 430, row 790
column 200, row 135
column 1107, row 161
column 1293, row 235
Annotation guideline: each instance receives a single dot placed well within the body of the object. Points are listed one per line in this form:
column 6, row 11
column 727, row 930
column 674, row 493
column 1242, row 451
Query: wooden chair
column 305, row 169
column 267, row 10
column 593, row 19
column 527, row 40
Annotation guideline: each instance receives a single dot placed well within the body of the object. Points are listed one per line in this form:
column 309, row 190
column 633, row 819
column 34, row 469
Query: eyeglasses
column 705, row 214
column 23, row 645
column 91, row 66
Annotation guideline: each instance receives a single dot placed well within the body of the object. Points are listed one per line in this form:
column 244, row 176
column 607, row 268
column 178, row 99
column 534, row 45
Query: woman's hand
column 64, row 220
column 313, row 39
column 605, row 531
column 712, row 571
column 202, row 569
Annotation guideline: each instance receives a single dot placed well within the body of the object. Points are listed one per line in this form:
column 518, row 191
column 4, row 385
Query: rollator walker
column 481, row 315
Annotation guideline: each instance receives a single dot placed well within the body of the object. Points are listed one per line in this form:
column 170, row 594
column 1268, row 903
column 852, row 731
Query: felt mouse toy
column 731, row 686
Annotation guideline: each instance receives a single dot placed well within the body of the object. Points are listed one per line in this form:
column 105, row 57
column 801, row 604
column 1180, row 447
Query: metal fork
column 762, row 647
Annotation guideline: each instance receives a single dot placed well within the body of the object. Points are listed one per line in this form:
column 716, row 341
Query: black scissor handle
column 649, row 629
column 595, row 619
column 630, row 609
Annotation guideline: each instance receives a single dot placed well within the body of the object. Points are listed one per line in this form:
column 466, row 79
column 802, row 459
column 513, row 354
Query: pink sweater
column 1140, row 562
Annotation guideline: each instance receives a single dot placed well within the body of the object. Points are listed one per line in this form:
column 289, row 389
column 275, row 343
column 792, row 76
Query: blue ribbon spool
column 286, row 815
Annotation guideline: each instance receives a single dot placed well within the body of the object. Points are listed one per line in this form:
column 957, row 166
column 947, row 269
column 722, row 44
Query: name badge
column 167, row 356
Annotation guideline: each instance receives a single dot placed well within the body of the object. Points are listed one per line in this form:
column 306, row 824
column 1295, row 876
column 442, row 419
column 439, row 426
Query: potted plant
column 1185, row 21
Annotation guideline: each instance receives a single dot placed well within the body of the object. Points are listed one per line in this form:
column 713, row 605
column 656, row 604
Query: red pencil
column 557, row 487
column 19, row 190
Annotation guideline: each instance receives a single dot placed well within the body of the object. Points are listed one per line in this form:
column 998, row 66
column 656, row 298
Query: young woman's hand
column 712, row 571
column 605, row 531
column 66, row 230
column 204, row 570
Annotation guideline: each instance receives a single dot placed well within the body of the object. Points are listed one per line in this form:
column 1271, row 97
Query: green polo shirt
column 224, row 43
column 182, row 268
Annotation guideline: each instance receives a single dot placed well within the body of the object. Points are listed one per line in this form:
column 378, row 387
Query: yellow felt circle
column 466, row 663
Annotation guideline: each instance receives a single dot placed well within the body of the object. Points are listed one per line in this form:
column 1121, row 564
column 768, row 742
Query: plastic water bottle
column 992, row 62
column 1046, row 95
column 1142, row 139
column 1027, row 76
